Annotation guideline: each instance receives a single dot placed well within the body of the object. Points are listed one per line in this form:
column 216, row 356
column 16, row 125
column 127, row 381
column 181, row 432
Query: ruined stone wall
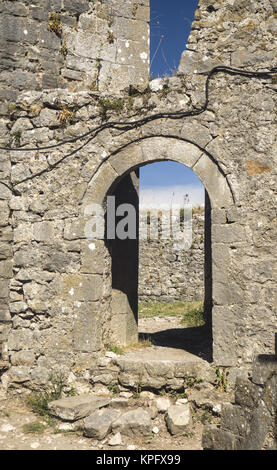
column 168, row 273
column 78, row 45
column 83, row 53
column 249, row 423
column 55, row 283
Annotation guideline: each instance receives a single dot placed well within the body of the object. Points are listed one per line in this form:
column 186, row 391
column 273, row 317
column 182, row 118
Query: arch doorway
column 118, row 176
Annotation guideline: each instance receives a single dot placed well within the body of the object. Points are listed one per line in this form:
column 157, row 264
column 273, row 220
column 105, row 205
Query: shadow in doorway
column 193, row 340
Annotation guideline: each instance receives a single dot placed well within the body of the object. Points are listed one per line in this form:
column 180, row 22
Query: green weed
column 34, row 428
column 113, row 388
column 221, row 379
column 55, row 23
column 38, row 401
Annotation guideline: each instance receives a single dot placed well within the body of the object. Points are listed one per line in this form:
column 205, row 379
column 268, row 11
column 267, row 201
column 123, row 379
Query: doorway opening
column 161, row 288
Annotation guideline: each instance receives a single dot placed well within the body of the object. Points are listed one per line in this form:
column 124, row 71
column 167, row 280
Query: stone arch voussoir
column 153, row 149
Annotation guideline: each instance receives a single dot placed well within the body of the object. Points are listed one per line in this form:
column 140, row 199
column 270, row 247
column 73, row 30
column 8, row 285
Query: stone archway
column 153, row 149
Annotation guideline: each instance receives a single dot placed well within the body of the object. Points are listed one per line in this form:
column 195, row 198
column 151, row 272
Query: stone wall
column 249, row 423
column 168, row 273
column 78, row 45
column 56, row 284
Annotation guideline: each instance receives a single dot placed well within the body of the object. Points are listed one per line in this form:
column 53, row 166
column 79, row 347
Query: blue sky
column 170, row 26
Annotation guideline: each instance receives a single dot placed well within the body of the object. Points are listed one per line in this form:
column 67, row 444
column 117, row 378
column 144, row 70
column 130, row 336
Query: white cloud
column 170, row 196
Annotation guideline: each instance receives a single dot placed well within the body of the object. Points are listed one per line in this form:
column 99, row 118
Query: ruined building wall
column 55, row 284
column 51, row 49
column 250, row 422
column 168, row 273
column 77, row 45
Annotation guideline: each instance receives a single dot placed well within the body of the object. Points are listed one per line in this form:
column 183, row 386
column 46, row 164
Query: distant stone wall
column 168, row 274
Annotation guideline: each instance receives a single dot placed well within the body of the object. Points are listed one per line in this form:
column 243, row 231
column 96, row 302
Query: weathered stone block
column 76, row 6
column 227, row 293
column 38, row 13
column 19, row 374
column 263, row 369
column 247, row 393
column 130, row 157
column 81, row 287
column 218, row 216
column 75, row 229
column 6, row 269
column 74, row 408
column 160, row 368
column 224, row 352
column 260, row 427
column 235, row 419
column 4, row 312
column 18, row 307
column 99, row 424
column 20, row 339
column 99, row 187
column 15, row 8
column 133, row 423
column 228, row 233
column 178, row 419
column 215, row 183
column 5, row 250
column 5, row 192
column 48, row 39
column 162, row 404
column 87, row 328
column 217, row 439
column 43, row 231
column 93, row 254
column 4, row 288
column 11, row 30
column 23, row 358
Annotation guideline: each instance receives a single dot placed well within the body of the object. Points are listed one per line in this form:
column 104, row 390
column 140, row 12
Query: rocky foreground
column 122, row 420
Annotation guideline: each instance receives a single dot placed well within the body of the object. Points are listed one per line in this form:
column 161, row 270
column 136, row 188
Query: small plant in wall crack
column 115, row 349
column 138, row 388
column 206, row 417
column 190, row 381
column 66, row 116
column 38, row 402
column 63, row 49
column 113, row 388
column 135, row 8
column 16, row 138
column 55, row 23
column 221, row 379
column 106, row 105
column 110, row 37
column 176, row 394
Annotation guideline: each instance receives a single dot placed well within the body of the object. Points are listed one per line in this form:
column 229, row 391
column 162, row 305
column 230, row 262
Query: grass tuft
column 194, row 316
column 34, row 428
column 191, row 313
column 38, row 401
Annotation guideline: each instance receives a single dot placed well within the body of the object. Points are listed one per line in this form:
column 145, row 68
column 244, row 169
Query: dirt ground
column 14, row 414
column 170, row 341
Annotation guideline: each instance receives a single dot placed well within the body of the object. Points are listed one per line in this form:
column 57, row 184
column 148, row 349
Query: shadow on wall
column 124, row 258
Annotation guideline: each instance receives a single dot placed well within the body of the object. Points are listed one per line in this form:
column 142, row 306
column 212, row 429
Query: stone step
column 74, row 408
column 132, row 371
